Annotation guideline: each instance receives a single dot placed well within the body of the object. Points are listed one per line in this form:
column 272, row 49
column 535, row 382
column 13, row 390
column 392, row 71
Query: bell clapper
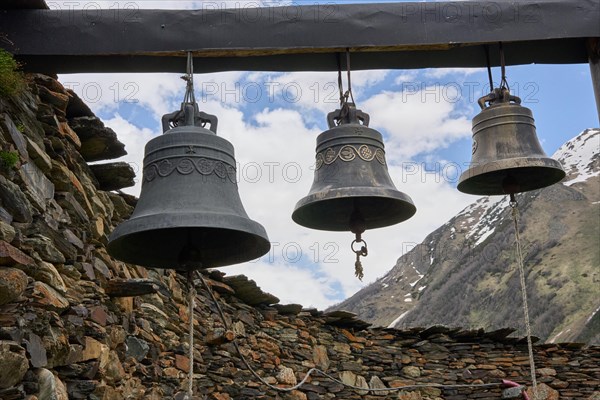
column 357, row 226
column 362, row 252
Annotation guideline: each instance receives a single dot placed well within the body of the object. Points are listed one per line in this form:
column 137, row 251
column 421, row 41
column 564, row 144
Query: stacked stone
column 76, row 324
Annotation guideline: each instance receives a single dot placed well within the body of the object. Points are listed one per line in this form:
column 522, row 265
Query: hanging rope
column 318, row 371
column 515, row 214
column 191, row 301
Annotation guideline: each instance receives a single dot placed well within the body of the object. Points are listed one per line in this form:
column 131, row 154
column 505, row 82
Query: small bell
column 507, row 156
column 352, row 189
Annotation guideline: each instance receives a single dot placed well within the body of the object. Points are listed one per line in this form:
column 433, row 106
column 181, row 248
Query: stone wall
column 68, row 329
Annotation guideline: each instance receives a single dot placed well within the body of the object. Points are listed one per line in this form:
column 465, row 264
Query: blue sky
column 273, row 120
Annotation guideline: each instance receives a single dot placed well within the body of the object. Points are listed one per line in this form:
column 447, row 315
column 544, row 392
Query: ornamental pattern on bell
column 348, row 153
column 186, row 166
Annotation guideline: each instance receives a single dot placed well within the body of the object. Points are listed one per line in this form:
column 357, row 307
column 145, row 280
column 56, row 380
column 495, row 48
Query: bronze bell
column 189, row 214
column 507, row 156
column 352, row 189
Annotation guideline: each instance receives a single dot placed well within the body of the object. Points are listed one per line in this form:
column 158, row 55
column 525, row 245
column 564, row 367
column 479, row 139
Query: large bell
column 352, row 190
column 507, row 156
column 189, row 214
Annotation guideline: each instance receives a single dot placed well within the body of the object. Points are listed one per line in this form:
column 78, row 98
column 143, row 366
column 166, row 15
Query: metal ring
column 357, row 241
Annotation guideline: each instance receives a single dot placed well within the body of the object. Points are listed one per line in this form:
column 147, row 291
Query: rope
column 191, row 301
column 515, row 215
column 318, row 371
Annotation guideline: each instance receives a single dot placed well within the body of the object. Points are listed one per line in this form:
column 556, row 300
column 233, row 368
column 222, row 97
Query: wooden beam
column 389, row 35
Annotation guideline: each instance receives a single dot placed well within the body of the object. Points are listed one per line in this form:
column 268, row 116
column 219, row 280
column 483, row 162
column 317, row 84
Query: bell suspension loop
column 347, row 104
column 503, row 80
column 515, row 215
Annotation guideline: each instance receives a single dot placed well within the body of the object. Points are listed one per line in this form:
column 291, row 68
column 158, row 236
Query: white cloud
column 406, row 77
column 289, row 283
column 416, row 122
column 316, row 90
column 444, row 72
column 105, row 93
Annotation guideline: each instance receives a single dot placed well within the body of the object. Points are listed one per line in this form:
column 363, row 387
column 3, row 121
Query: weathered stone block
column 12, row 284
column 320, row 357
column 97, row 141
column 39, row 156
column 40, row 188
column 14, row 201
column 58, row 101
column 51, row 387
column 10, row 255
column 47, row 297
column 544, row 392
column 7, row 232
column 113, row 176
column 13, row 364
column 15, row 136
column 45, row 248
column 411, row 372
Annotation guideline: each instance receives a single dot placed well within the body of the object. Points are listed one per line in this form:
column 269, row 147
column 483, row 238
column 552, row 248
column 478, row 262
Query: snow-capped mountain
column 464, row 273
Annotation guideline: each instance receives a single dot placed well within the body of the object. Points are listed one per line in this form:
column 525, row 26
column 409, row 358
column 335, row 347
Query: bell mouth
column 188, row 242
column 333, row 210
column 511, row 176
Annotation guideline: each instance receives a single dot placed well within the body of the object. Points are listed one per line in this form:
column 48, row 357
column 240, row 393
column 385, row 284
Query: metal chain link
column 515, row 214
